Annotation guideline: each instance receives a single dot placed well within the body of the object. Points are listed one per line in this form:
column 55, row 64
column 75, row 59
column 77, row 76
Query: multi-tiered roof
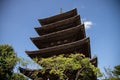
column 62, row 33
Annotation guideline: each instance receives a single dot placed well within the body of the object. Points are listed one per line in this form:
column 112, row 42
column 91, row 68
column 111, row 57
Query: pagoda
column 62, row 33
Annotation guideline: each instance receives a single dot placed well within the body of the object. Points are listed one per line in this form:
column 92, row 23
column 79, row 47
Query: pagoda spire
column 61, row 11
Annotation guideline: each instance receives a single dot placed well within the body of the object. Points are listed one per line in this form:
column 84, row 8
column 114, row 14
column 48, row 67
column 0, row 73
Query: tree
column 68, row 67
column 112, row 74
column 8, row 60
column 116, row 71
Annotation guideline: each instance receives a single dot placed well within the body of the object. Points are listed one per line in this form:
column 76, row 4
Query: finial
column 60, row 10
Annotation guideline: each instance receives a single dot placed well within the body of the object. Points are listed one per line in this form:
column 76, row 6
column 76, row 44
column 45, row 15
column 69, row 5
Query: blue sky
column 101, row 17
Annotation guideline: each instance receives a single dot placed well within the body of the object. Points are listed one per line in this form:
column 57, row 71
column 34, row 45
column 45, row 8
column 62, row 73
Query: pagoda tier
column 29, row 72
column 80, row 46
column 59, row 25
column 60, row 37
column 58, row 17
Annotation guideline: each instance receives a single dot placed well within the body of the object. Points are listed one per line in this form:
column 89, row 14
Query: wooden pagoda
column 62, row 33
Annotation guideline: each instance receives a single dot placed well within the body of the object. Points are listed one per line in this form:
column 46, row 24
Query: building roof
column 58, row 17
column 80, row 46
column 70, row 35
column 59, row 25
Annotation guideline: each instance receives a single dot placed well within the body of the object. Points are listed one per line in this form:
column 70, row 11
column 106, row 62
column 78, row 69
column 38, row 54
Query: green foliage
column 18, row 76
column 112, row 74
column 8, row 60
column 58, row 65
column 116, row 71
column 24, row 62
column 14, row 76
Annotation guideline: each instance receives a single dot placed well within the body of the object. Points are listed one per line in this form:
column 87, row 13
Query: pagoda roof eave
column 63, row 34
column 59, row 25
column 58, row 17
column 29, row 73
column 94, row 61
column 63, row 49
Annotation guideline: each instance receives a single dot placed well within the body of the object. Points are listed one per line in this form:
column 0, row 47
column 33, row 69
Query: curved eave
column 30, row 73
column 94, row 61
column 60, row 25
column 81, row 46
column 58, row 17
column 74, row 33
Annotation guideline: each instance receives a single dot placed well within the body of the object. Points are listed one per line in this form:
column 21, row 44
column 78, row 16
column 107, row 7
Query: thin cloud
column 88, row 24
